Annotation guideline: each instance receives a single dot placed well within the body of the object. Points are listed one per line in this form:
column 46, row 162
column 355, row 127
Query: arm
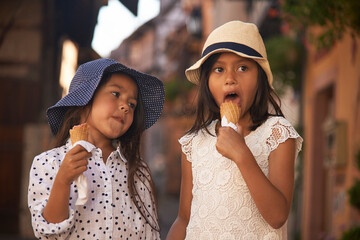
column 272, row 195
column 178, row 229
column 74, row 163
column 44, row 171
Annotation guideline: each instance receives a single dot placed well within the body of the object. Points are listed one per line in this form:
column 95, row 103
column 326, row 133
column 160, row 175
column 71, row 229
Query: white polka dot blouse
column 109, row 212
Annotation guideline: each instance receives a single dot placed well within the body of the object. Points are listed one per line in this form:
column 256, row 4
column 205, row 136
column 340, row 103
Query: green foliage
column 176, row 88
column 354, row 194
column 354, row 199
column 351, row 234
column 337, row 16
column 285, row 56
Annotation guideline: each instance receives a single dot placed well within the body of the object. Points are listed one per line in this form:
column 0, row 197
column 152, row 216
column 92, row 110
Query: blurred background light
column 116, row 22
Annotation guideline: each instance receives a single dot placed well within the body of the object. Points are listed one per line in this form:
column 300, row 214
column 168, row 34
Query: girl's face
column 113, row 107
column 234, row 78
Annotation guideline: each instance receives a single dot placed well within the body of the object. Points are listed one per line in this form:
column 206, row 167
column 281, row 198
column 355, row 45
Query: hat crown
column 236, row 37
column 88, row 71
column 237, row 32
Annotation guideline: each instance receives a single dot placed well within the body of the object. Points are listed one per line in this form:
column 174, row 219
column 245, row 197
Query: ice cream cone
column 79, row 132
column 231, row 111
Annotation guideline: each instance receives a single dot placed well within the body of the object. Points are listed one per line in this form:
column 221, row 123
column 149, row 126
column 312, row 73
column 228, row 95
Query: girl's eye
column 218, row 69
column 132, row 105
column 242, row 68
column 116, row 94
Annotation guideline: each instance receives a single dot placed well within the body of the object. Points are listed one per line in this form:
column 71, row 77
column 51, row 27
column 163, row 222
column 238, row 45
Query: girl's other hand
column 74, row 163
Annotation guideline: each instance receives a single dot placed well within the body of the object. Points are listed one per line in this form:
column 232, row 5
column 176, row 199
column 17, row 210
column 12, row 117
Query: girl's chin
column 116, row 134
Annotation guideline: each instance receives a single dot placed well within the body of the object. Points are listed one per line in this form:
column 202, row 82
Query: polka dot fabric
column 88, row 77
column 109, row 212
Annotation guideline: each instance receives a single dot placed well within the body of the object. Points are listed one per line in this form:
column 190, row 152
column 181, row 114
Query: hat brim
column 193, row 72
column 151, row 90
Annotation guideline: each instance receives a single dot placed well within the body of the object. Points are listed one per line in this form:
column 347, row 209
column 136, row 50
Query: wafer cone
column 231, row 111
column 79, row 132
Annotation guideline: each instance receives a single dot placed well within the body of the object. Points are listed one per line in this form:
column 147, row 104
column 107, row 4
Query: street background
column 313, row 48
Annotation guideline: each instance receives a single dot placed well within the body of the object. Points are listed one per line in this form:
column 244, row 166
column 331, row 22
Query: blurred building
column 41, row 44
column 331, row 107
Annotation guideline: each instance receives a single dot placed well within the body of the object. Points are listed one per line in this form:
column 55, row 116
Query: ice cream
column 231, row 111
column 79, row 132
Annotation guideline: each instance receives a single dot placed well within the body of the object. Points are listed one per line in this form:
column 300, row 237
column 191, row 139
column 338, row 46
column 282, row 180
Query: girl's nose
column 230, row 78
column 124, row 107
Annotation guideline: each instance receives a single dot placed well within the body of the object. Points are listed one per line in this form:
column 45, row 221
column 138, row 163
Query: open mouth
column 231, row 97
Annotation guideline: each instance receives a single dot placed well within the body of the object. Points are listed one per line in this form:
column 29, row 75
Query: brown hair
column 130, row 147
column 207, row 110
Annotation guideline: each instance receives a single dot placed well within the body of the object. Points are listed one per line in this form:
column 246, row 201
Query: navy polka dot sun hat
column 88, row 77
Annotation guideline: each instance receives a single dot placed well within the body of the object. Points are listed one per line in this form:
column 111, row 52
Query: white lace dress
column 222, row 207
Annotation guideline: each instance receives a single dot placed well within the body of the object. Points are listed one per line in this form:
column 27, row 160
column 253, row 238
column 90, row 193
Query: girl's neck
column 245, row 122
column 104, row 144
column 106, row 150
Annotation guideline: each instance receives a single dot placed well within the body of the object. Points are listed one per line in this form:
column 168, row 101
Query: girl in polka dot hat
column 99, row 187
column 237, row 169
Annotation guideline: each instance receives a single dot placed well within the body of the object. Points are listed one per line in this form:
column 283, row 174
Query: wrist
column 62, row 183
column 243, row 156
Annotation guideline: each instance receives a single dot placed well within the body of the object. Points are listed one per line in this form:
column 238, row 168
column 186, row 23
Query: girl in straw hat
column 237, row 183
column 99, row 188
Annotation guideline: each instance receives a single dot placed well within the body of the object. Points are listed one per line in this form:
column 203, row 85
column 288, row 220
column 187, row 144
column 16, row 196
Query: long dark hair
column 207, row 110
column 129, row 144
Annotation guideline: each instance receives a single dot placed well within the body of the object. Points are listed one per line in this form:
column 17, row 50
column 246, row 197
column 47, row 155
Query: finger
column 76, row 168
column 80, row 163
column 83, row 155
column 79, row 159
column 77, row 149
column 80, row 169
column 80, row 153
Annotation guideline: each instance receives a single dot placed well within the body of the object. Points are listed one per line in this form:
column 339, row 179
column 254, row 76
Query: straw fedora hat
column 237, row 37
column 87, row 79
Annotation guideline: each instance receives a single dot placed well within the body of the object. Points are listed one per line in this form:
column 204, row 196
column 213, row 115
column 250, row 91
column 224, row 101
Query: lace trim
column 281, row 130
column 186, row 145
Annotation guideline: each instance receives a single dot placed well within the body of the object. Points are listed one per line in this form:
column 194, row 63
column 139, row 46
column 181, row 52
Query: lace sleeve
column 186, row 145
column 281, row 130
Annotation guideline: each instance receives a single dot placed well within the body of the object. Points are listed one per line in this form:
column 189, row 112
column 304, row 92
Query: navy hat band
column 238, row 47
